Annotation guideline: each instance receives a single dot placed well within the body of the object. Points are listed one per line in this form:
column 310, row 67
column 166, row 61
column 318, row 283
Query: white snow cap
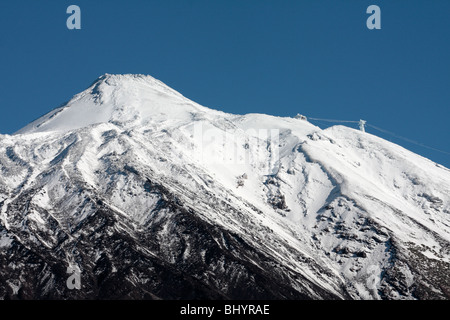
column 131, row 99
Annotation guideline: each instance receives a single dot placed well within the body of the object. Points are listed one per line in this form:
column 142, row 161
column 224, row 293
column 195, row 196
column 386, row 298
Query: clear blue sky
column 314, row 57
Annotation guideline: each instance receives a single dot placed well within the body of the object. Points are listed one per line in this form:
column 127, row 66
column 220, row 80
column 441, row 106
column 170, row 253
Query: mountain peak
column 125, row 81
column 118, row 98
column 119, row 79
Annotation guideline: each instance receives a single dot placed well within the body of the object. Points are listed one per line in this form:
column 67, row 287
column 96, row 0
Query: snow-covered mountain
column 151, row 195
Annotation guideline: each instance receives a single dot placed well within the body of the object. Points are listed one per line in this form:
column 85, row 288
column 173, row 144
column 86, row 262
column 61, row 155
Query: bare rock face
column 152, row 196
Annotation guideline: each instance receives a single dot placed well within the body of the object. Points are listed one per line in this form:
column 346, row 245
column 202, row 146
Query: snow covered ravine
column 153, row 196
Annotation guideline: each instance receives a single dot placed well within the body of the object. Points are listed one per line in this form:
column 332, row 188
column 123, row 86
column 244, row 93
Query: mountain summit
column 151, row 195
column 131, row 99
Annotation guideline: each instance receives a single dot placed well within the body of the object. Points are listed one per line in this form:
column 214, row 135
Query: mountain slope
column 153, row 196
